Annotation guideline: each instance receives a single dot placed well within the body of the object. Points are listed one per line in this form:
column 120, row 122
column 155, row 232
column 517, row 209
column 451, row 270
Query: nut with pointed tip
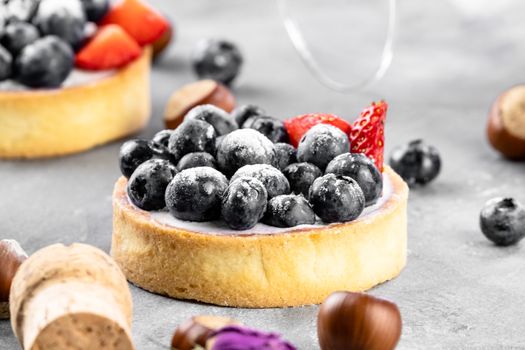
column 11, row 257
column 356, row 321
column 196, row 331
column 195, row 94
column 506, row 124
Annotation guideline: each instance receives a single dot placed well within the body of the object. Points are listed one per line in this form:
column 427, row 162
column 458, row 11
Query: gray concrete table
column 457, row 291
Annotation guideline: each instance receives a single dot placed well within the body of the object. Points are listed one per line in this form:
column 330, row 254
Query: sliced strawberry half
column 298, row 126
column 368, row 133
column 139, row 20
column 110, row 48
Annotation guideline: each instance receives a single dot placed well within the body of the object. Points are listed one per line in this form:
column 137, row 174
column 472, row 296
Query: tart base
column 295, row 268
column 45, row 123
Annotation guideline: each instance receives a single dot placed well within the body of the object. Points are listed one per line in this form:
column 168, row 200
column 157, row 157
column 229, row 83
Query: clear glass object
column 346, row 44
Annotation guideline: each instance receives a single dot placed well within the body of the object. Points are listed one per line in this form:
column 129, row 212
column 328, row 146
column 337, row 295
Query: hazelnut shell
column 355, row 321
column 508, row 144
column 196, row 94
column 197, row 331
column 11, row 257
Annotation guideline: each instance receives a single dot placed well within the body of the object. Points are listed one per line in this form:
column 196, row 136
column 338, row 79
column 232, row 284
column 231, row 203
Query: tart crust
column 298, row 267
column 45, row 123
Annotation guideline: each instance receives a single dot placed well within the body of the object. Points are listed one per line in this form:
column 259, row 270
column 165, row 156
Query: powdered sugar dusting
column 220, row 227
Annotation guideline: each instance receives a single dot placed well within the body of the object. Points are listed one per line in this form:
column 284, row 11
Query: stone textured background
column 452, row 58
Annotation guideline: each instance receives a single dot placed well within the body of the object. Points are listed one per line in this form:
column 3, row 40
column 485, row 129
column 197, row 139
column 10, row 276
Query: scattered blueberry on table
column 416, row 162
column 502, row 220
column 219, row 60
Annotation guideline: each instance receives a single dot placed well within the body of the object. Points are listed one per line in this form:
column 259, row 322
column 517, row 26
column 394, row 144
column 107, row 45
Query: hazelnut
column 195, row 94
column 355, row 321
column 506, row 124
column 197, row 331
column 11, row 257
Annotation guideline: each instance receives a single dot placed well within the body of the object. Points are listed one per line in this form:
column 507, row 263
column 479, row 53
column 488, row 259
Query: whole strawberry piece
column 110, row 48
column 368, row 133
column 299, row 125
column 138, row 19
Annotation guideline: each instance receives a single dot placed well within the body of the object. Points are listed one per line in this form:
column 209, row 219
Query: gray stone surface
column 458, row 290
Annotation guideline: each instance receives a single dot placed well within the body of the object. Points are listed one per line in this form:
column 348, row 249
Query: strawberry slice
column 298, row 126
column 368, row 133
column 110, row 48
column 139, row 19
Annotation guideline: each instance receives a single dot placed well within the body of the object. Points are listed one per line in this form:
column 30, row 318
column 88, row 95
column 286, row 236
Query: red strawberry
column 368, row 133
column 139, row 19
column 299, row 125
column 110, row 48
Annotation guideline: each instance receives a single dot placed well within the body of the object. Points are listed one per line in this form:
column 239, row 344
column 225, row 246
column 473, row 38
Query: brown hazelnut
column 11, row 257
column 197, row 331
column 506, row 124
column 195, row 94
column 356, row 321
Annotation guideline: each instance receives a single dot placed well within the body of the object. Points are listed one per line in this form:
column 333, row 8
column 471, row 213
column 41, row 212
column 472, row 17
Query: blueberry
column 219, row 60
column 273, row 180
column 147, row 185
column 243, row 113
column 244, row 203
column 337, row 198
column 162, row 138
column 45, row 63
column 195, row 194
column 243, row 147
column 417, row 163
column 363, row 170
column 196, row 159
column 270, row 127
column 321, row 144
column 502, row 220
column 286, row 155
column 218, row 141
column 289, row 211
column 18, row 35
column 19, row 10
column 6, row 63
column 221, row 121
column 132, row 154
column 192, row 136
column 95, row 10
column 64, row 19
column 301, row 176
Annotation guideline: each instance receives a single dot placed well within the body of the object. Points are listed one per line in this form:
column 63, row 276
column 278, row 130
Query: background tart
column 45, row 123
column 297, row 267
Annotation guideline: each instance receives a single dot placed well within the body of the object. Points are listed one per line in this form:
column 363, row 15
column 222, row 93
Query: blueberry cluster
column 38, row 38
column 240, row 169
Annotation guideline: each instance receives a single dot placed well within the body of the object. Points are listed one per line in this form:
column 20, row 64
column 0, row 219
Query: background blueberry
column 289, row 211
column 219, row 60
column 273, row 180
column 196, row 159
column 6, row 63
column 243, row 113
column 417, row 163
column 301, row 176
column 242, row 147
column 221, row 121
column 192, row 136
column 162, row 138
column 65, row 19
column 95, row 10
column 147, row 185
column 270, row 127
column 18, row 35
column 363, row 170
column 337, row 198
column 321, row 144
column 244, row 203
column 132, row 154
column 195, row 194
column 502, row 221
column 19, row 10
column 286, row 154
column 45, row 63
